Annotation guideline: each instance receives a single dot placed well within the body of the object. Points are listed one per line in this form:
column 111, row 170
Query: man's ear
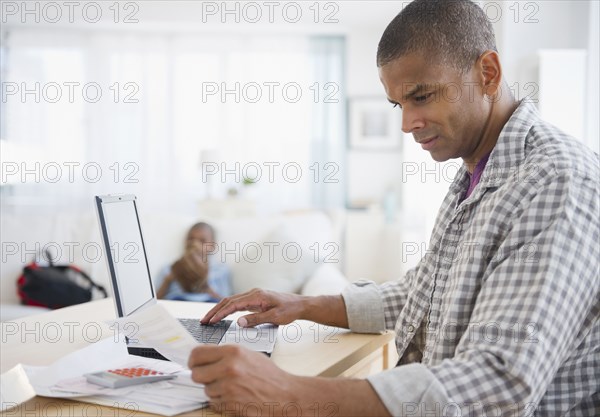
column 491, row 72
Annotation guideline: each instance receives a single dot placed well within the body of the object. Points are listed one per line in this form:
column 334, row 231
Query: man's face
column 444, row 110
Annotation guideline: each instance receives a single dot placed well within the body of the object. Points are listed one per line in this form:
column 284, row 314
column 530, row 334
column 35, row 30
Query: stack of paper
column 64, row 379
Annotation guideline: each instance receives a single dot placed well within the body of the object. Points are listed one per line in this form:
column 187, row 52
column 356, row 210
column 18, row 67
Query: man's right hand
column 267, row 306
column 278, row 308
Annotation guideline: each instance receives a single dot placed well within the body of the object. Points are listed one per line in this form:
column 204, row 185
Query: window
column 107, row 113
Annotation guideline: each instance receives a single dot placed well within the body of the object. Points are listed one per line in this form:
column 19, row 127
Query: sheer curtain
column 144, row 106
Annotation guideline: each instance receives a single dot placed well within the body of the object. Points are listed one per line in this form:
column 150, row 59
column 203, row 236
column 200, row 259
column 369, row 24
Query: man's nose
column 411, row 120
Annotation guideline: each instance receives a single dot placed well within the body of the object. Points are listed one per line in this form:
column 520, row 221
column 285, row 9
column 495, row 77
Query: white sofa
column 304, row 257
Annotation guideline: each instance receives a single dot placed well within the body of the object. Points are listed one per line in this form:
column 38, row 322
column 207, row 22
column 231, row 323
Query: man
column 501, row 316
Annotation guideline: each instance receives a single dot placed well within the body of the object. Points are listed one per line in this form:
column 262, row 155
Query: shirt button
column 411, row 328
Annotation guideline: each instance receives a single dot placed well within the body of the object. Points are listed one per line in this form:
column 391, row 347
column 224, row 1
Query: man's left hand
column 240, row 381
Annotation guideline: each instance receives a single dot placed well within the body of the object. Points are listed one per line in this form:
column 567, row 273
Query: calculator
column 125, row 377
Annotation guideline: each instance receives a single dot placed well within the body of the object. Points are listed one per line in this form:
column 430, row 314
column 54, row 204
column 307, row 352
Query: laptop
column 131, row 280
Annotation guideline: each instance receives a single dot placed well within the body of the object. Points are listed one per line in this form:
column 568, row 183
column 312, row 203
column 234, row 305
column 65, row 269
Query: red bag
column 55, row 286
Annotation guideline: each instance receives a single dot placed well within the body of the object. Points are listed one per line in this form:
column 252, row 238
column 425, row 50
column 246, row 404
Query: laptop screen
column 133, row 285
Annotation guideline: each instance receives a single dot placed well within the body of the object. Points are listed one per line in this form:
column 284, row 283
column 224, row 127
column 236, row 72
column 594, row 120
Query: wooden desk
column 305, row 349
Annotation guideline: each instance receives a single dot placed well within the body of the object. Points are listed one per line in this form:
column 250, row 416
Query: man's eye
column 422, row 98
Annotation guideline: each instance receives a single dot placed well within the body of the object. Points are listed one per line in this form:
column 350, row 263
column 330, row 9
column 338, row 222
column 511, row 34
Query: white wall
column 361, row 50
column 593, row 81
column 370, row 172
column 523, row 28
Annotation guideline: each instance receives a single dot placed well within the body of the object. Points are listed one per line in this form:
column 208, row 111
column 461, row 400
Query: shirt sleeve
column 364, row 307
column 411, row 390
column 532, row 305
column 373, row 308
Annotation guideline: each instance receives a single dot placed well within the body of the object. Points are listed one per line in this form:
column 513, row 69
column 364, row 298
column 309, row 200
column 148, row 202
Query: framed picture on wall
column 374, row 124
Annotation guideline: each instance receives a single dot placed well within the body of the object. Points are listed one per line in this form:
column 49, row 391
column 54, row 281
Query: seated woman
column 196, row 276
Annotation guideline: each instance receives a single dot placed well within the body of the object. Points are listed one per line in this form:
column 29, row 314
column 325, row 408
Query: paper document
column 14, row 388
column 156, row 328
column 106, row 354
column 64, row 379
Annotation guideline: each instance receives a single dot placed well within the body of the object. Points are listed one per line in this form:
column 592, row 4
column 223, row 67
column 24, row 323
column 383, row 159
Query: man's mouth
column 429, row 143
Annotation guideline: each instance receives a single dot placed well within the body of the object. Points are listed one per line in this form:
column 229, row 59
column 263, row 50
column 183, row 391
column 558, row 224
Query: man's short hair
column 447, row 32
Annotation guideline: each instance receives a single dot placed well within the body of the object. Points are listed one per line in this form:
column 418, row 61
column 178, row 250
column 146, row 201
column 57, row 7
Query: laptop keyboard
column 206, row 333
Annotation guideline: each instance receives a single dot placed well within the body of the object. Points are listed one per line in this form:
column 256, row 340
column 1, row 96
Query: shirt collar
column 509, row 152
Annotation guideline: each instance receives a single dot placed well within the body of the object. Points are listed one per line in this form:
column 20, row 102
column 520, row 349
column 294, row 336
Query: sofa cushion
column 279, row 261
column 326, row 280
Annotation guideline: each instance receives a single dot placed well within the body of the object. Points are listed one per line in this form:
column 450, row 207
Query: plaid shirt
column 501, row 316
